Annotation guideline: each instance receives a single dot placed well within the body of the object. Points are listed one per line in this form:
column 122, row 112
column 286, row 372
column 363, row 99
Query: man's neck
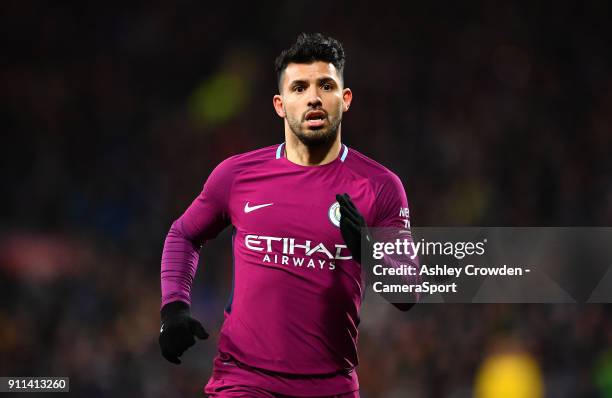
column 297, row 152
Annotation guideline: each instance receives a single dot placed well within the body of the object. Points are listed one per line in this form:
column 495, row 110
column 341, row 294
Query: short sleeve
column 208, row 214
column 391, row 203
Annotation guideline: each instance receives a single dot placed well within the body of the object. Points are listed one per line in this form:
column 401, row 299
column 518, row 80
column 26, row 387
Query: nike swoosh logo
column 248, row 209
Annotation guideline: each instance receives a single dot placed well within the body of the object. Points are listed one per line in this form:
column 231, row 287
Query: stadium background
column 492, row 113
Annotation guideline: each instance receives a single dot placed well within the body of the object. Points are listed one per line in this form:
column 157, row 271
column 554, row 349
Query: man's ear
column 277, row 101
column 347, row 98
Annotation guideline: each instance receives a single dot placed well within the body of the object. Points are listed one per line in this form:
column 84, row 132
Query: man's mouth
column 315, row 118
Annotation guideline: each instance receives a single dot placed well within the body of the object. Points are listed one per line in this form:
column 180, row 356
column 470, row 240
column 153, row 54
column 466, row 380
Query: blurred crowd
column 114, row 114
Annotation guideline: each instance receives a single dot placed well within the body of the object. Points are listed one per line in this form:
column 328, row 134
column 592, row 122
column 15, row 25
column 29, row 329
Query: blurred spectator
column 510, row 372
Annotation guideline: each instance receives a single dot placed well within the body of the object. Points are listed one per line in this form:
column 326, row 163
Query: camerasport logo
column 297, row 253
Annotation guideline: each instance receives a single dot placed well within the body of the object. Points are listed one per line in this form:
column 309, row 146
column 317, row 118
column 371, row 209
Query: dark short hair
column 308, row 48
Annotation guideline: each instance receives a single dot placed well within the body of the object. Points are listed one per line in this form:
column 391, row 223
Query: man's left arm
column 391, row 221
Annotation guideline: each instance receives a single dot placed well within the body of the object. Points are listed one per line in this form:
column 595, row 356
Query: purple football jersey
column 297, row 292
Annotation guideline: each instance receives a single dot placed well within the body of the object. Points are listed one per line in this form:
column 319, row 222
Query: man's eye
column 326, row 86
column 298, row 89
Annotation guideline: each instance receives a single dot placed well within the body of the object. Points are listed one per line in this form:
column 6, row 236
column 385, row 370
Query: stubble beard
column 315, row 138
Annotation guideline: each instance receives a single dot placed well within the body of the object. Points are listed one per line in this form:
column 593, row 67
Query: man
column 297, row 210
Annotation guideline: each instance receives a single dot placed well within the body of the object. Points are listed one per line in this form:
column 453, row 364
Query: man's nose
column 314, row 99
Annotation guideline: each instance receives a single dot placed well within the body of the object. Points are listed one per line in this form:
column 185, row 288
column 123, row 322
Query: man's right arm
column 203, row 220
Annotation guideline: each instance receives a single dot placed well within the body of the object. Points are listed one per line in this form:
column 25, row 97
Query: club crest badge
column 334, row 214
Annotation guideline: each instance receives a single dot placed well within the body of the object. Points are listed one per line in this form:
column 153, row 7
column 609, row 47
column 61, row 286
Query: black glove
column 177, row 330
column 352, row 226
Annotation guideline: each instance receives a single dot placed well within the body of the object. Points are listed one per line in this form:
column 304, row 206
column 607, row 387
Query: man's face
column 312, row 101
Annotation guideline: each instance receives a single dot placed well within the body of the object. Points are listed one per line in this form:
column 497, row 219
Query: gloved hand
column 177, row 330
column 352, row 226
